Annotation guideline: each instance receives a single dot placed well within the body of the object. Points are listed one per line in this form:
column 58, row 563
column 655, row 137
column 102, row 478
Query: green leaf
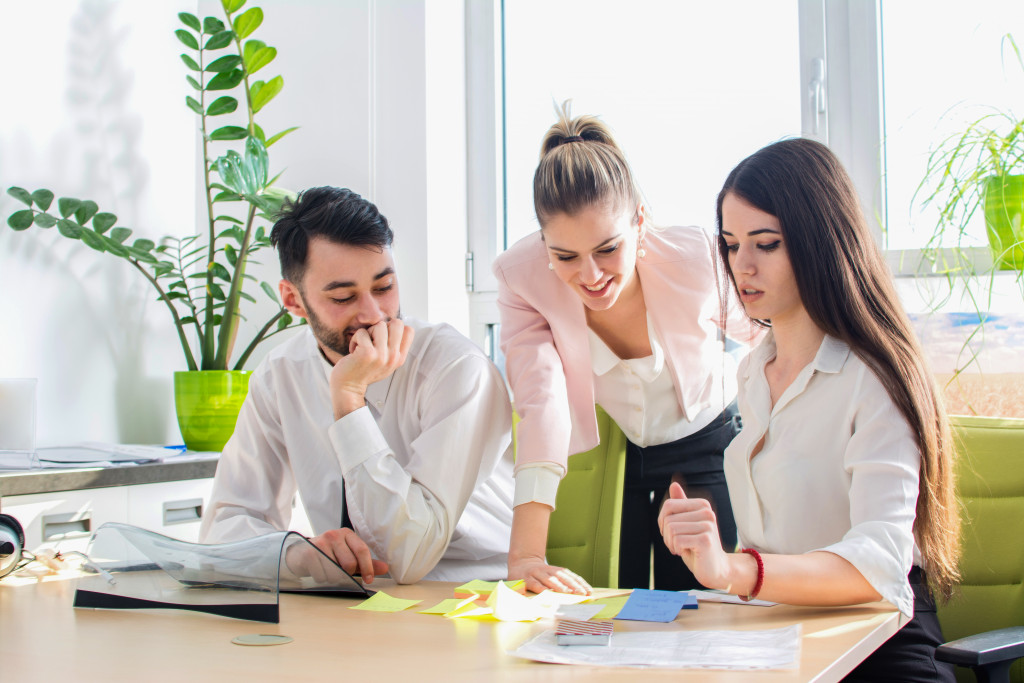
column 261, row 233
column 260, row 59
column 21, row 220
column 229, row 133
column 227, row 196
column 189, row 20
column 270, row 291
column 21, row 195
column 144, row 244
column 229, row 219
column 284, row 321
column 194, row 83
column 261, row 93
column 190, row 63
column 247, row 296
column 45, row 220
column 119, row 235
column 70, row 228
column 114, row 246
column 222, row 105
column 258, row 132
column 220, row 271
column 102, row 222
column 171, row 296
column 194, row 105
column 232, row 5
column 225, row 80
column 219, row 40
column 231, row 254
column 141, row 255
column 225, row 63
column 250, row 48
column 86, row 211
column 94, row 241
column 217, row 291
column 187, row 320
column 247, row 22
column 280, row 135
column 42, row 198
column 212, row 25
column 67, row 206
column 187, row 39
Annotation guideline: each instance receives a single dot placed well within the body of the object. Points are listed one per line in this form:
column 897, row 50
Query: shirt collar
column 830, row 358
column 603, row 359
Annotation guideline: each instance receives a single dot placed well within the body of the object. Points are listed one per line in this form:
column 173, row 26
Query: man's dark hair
column 334, row 213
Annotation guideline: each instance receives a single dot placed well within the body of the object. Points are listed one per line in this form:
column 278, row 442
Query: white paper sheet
column 741, row 650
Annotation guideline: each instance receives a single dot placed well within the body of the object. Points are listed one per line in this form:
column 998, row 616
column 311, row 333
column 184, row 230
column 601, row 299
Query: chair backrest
column 583, row 534
column 990, row 487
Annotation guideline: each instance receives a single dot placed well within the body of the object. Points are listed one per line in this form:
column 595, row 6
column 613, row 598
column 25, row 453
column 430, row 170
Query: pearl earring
column 551, row 266
column 641, row 252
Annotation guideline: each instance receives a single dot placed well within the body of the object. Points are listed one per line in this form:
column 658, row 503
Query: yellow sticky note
column 611, row 606
column 447, row 607
column 484, row 588
column 382, row 602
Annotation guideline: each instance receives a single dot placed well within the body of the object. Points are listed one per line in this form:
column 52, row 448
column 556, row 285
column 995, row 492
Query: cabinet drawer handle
column 183, row 511
column 67, row 525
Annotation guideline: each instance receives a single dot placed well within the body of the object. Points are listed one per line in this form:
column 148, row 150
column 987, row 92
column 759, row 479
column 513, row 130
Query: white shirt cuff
column 356, row 437
column 537, row 482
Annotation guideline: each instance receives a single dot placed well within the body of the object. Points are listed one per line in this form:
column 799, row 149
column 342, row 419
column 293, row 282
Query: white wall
column 95, row 109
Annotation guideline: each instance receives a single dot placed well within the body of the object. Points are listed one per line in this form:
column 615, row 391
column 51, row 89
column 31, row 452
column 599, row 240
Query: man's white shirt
column 426, row 465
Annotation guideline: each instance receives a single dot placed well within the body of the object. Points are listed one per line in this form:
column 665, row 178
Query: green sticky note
column 611, row 606
column 382, row 602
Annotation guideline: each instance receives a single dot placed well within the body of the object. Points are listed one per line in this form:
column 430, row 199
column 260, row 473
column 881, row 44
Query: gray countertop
column 22, row 482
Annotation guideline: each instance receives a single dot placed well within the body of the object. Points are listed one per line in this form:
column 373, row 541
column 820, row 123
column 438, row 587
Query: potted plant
column 201, row 279
column 978, row 169
column 982, row 166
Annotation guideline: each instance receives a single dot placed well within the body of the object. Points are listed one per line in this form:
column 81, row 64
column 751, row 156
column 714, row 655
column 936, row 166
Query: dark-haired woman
column 841, row 478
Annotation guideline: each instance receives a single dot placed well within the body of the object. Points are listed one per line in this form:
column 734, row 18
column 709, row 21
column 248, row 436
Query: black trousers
column 696, row 462
column 909, row 656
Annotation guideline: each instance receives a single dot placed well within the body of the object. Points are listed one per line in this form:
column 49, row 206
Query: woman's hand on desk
column 690, row 530
column 540, row 576
column 346, row 548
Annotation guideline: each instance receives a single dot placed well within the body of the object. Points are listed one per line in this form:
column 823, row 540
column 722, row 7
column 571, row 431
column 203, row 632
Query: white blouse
column 838, row 470
column 639, row 395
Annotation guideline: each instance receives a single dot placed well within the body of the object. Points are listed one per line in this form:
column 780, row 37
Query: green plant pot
column 207, row 402
column 1004, row 211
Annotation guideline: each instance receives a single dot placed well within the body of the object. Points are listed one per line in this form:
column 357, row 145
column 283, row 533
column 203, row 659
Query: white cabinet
column 172, row 508
column 65, row 520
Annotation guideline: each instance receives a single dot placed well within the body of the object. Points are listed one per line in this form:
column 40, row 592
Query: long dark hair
column 847, row 290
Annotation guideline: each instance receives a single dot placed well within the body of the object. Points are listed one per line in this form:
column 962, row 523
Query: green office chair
column 990, row 487
column 583, row 534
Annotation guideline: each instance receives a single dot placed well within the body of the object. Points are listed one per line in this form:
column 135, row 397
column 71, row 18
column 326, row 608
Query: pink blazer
column 547, row 349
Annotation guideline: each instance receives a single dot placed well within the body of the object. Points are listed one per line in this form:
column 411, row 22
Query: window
column 688, row 89
column 942, row 68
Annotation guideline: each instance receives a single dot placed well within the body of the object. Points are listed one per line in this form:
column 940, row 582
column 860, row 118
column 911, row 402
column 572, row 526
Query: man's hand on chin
column 374, row 353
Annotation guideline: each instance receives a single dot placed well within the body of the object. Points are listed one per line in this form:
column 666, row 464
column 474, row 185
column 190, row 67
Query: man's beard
column 332, row 339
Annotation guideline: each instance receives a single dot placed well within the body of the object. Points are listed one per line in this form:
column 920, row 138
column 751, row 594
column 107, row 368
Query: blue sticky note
column 653, row 605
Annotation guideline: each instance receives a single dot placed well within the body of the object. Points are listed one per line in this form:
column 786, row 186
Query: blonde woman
column 600, row 308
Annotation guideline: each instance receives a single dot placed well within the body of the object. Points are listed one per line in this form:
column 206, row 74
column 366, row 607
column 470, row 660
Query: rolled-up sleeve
column 883, row 462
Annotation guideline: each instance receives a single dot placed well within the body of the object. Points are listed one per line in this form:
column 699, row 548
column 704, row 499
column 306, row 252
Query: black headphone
column 12, row 542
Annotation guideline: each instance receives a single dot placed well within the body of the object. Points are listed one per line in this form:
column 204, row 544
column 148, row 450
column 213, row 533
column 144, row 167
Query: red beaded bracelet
column 760, row 575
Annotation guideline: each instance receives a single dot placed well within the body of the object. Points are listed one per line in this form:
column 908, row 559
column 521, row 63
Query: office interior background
column 434, row 110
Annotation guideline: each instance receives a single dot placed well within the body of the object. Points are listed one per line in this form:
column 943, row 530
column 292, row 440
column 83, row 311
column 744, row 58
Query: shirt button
column 379, row 403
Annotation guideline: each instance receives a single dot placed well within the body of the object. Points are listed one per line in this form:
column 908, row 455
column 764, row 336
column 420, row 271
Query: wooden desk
column 41, row 634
